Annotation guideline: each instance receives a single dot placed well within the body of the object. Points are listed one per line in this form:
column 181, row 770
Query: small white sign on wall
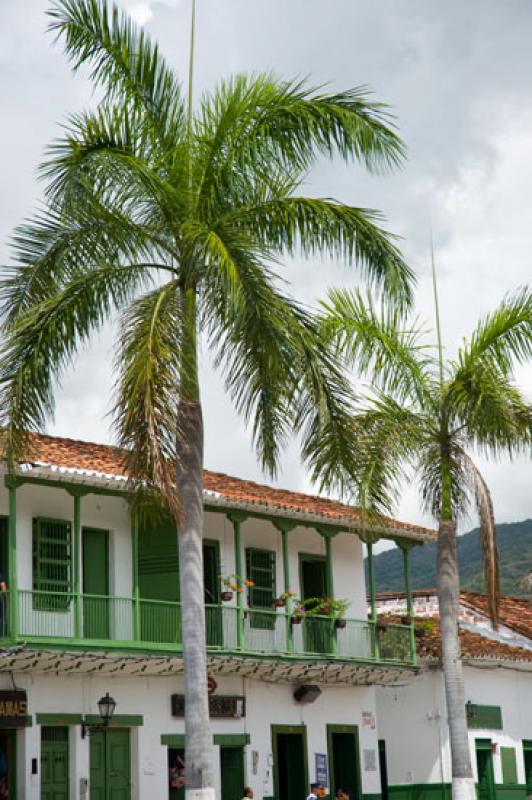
column 368, row 720
column 370, row 760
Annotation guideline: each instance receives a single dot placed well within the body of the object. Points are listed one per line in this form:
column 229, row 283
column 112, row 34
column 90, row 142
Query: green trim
column 77, row 566
column 13, row 581
column 237, row 521
column 29, row 722
column 118, row 721
column 353, row 729
column 408, row 591
column 371, row 580
column 231, row 739
column 59, row 719
column 173, row 739
column 286, row 582
column 68, row 486
column 513, row 791
column 483, row 744
column 135, row 576
column 275, row 731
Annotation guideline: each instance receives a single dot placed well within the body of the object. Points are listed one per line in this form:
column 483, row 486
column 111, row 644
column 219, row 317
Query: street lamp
column 106, row 707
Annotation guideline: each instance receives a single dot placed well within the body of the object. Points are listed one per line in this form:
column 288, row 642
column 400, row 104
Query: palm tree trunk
column 448, row 598
column 189, row 483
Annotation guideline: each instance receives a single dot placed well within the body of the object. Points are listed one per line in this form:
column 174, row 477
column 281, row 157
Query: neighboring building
column 498, row 685
column 92, row 607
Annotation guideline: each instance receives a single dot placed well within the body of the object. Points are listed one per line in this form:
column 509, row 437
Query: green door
column 291, row 768
column 342, row 743
column 486, row 784
column 211, row 584
column 54, row 763
column 232, row 772
column 158, row 568
column 527, row 753
column 110, row 765
column 95, row 543
column 317, row 633
column 383, row 765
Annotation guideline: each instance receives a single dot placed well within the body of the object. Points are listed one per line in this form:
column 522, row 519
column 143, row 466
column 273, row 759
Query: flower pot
column 419, row 632
column 296, row 620
column 382, row 627
column 340, row 623
column 226, row 596
column 279, row 602
column 405, row 620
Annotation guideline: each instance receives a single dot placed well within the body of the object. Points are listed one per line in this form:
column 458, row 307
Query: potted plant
column 281, row 601
column 298, row 612
column 231, row 584
column 326, row 607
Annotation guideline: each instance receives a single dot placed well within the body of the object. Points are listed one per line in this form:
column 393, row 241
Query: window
column 52, row 564
column 260, row 569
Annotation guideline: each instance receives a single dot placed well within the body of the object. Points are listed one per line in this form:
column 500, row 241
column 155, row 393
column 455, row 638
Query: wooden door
column 54, row 763
column 211, row 585
column 96, row 610
column 158, row 567
column 290, row 762
column 527, row 753
column 110, row 765
column 486, row 783
column 232, row 772
column 343, row 761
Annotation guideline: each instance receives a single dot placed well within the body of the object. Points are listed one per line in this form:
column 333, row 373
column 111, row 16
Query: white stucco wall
column 267, row 704
column 412, row 720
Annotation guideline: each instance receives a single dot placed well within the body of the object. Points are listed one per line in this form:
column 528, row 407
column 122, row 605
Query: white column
column 79, row 764
column 28, row 748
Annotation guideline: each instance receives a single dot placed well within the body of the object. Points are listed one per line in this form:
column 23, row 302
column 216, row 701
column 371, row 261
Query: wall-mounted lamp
column 106, row 707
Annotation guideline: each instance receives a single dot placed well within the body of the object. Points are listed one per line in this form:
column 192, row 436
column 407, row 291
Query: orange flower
column 233, row 586
column 249, row 583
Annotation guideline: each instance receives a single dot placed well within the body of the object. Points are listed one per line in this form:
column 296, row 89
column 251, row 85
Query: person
column 248, row 793
column 341, row 794
column 317, row 790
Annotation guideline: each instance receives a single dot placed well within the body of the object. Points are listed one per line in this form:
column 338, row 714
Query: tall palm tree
column 176, row 218
column 420, row 419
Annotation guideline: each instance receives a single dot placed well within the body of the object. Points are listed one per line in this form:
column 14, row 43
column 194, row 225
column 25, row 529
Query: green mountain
column 515, row 553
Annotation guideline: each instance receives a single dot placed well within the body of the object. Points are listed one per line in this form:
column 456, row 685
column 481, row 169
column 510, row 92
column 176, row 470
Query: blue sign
column 321, row 769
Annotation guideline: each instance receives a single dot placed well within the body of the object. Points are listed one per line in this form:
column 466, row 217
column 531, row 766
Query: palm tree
column 421, row 419
column 176, row 218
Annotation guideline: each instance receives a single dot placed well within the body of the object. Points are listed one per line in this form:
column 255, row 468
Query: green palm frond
column 42, row 343
column 122, row 60
column 380, row 343
column 316, row 226
column 148, row 389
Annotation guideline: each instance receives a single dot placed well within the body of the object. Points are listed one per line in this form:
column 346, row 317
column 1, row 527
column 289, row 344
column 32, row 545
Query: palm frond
column 42, row 343
column 380, row 343
column 318, row 226
column 122, row 60
column 148, row 389
column 488, row 539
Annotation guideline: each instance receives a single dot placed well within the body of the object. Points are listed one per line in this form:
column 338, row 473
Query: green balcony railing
column 156, row 624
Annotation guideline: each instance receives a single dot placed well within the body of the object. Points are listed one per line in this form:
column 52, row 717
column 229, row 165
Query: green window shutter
column 509, row 765
column 488, row 717
column 260, row 569
column 52, row 563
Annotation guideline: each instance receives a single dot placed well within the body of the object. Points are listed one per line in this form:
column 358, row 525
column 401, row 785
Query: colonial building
column 498, row 684
column 90, row 613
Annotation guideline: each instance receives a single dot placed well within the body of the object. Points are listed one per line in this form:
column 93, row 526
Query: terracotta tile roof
column 71, row 454
column 514, row 612
column 473, row 645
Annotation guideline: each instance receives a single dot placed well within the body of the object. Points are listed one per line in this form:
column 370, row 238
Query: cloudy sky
column 459, row 78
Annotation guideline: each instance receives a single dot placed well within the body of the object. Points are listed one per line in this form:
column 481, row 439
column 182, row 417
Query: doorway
column 110, row 765
column 176, row 773
column 383, row 765
column 4, row 574
column 527, row 755
column 95, row 544
column 289, row 744
column 317, row 633
column 232, row 772
column 344, row 760
column 54, row 763
column 486, row 782
column 8, row 764
column 211, row 584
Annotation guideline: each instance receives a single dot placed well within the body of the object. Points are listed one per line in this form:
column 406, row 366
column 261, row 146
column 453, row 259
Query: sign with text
column 321, row 769
column 13, row 709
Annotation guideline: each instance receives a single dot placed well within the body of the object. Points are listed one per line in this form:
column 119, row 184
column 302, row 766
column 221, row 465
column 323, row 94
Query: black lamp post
column 106, row 707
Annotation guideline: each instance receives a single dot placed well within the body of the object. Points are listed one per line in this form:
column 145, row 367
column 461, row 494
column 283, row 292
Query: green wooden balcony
column 54, row 618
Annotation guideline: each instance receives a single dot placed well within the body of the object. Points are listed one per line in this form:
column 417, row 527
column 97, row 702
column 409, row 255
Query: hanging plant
column 232, row 584
column 281, row 601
